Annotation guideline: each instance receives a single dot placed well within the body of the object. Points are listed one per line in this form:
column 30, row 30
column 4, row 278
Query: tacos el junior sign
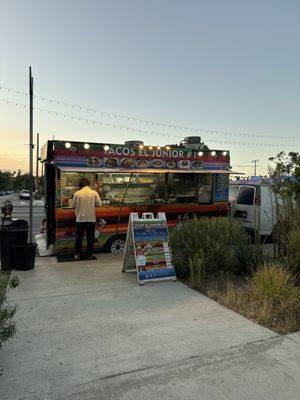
column 148, row 157
column 122, row 156
column 139, row 162
column 150, row 152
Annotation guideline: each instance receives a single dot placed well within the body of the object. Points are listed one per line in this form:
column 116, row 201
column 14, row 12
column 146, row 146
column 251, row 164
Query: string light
column 138, row 130
column 144, row 121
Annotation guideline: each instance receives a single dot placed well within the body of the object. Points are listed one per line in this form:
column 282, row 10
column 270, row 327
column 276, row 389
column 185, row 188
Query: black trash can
column 12, row 232
column 24, row 256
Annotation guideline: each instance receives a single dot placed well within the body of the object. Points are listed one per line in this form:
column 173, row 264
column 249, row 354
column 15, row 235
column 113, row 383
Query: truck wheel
column 116, row 245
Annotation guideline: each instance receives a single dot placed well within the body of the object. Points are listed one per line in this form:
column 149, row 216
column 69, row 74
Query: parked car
column 24, row 195
column 253, row 203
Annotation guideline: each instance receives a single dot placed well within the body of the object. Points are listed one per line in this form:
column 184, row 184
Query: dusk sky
column 219, row 66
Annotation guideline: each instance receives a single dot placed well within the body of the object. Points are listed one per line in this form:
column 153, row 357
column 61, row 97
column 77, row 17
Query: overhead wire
column 131, row 129
column 148, row 122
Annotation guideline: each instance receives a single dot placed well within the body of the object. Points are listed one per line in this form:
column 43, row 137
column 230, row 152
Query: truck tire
column 116, row 245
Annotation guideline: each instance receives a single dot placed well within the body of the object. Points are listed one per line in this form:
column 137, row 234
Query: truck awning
column 146, row 170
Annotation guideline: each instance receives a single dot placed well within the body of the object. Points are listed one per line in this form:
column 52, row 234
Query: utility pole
column 254, row 161
column 37, row 162
column 31, row 146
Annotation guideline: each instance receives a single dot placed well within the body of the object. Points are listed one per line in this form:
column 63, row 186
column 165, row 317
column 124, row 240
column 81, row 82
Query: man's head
column 84, row 182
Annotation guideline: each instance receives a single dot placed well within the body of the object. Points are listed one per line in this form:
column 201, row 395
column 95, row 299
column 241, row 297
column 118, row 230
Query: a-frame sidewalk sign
column 148, row 249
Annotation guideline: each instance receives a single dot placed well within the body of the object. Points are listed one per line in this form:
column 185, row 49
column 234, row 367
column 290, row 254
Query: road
column 21, row 210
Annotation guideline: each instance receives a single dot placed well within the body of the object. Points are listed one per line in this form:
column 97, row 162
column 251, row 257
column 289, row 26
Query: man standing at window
column 85, row 202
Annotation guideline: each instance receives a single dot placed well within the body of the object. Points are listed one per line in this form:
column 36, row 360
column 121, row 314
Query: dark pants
column 81, row 229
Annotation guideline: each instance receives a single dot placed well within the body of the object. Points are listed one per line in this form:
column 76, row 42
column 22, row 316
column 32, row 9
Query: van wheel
column 116, row 245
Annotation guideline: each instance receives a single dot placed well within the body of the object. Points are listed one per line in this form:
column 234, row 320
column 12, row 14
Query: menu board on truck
column 148, row 248
column 221, row 188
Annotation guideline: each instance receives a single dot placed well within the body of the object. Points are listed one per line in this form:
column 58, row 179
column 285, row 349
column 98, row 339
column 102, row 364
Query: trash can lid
column 9, row 223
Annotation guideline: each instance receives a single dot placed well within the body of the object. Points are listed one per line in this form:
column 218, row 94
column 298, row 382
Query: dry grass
column 269, row 298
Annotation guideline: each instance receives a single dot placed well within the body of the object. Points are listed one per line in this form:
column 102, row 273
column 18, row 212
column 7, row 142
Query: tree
column 286, row 173
column 18, row 180
column 285, row 180
column 21, row 181
column 6, row 180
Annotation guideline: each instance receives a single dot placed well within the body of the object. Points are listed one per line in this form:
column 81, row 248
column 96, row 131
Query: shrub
column 270, row 298
column 196, row 267
column 274, row 283
column 293, row 250
column 287, row 215
column 277, row 298
column 7, row 326
column 222, row 243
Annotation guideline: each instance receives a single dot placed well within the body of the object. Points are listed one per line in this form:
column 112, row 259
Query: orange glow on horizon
column 13, row 162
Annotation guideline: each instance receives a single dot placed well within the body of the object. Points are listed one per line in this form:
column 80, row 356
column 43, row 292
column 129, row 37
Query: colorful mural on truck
column 145, row 157
column 183, row 183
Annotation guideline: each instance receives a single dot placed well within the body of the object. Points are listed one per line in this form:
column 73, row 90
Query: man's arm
column 74, row 201
column 98, row 201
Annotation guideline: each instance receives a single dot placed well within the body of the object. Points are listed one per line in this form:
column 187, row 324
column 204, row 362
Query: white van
column 253, row 203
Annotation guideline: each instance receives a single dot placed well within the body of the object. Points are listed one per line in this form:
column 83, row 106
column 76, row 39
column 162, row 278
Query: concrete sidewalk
column 87, row 331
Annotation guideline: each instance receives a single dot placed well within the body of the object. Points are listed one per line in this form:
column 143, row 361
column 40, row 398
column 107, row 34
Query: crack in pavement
column 49, row 296
column 181, row 362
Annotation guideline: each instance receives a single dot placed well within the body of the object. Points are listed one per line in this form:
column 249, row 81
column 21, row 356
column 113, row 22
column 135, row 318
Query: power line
column 136, row 130
column 255, row 165
column 144, row 121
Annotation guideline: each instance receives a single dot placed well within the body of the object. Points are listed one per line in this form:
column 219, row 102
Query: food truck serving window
column 126, row 188
column 68, row 184
column 115, row 188
column 191, row 187
column 184, row 187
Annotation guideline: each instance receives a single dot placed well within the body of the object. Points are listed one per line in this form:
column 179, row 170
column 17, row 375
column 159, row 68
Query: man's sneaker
column 91, row 258
column 76, row 257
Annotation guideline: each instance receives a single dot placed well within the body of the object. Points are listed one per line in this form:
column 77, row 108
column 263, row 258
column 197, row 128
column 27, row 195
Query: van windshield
column 246, row 195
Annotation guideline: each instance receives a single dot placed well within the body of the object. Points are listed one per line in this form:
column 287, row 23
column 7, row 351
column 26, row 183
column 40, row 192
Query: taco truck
column 183, row 181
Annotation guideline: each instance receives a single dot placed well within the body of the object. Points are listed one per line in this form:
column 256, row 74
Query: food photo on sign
column 150, row 255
